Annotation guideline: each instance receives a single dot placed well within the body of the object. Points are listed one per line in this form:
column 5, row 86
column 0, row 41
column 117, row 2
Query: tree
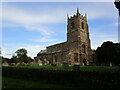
column 15, row 59
column 28, row 59
column 109, row 52
column 21, row 56
column 117, row 48
column 21, row 52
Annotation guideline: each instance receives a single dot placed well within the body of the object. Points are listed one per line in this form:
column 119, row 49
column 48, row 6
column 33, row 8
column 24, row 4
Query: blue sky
column 35, row 25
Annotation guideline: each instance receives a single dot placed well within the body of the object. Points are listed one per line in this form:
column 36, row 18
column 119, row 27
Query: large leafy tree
column 21, row 56
column 117, row 49
column 15, row 59
column 109, row 52
column 21, row 52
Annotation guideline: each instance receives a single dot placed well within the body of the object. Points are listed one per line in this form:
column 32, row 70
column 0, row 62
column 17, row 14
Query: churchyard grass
column 100, row 68
column 82, row 68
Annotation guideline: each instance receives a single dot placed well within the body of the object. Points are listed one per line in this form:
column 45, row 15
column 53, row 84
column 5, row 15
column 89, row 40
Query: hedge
column 82, row 79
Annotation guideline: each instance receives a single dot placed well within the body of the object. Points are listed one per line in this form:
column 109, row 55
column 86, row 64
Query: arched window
column 83, row 48
column 82, row 25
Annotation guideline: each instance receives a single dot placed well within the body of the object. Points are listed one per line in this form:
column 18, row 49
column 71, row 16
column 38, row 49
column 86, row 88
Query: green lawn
column 82, row 68
column 100, row 68
column 8, row 82
column 44, row 67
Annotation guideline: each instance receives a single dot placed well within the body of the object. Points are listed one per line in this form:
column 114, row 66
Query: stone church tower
column 78, row 39
column 76, row 50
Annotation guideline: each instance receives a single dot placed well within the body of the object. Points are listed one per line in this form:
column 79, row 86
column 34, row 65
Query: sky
column 35, row 25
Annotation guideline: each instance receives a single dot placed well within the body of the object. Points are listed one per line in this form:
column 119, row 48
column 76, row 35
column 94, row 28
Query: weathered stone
column 76, row 50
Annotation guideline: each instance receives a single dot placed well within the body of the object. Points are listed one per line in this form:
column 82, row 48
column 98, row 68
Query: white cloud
column 0, row 11
column 56, row 15
column 45, row 39
column 116, row 23
column 58, row 0
column 38, row 21
column 21, row 16
column 7, row 52
column 17, row 17
column 97, row 38
column 99, row 10
column 42, row 29
column 33, row 50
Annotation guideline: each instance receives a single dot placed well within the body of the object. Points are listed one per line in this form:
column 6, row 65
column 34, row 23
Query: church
column 76, row 49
